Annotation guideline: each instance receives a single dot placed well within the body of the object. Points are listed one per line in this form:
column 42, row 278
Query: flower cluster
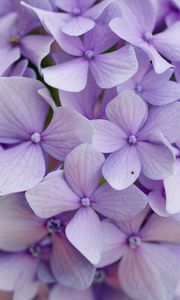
column 90, row 149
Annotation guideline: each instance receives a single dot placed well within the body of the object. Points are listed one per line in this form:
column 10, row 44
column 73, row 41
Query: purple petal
column 25, row 168
column 36, row 47
column 16, row 270
column 8, row 56
column 69, row 294
column 69, row 267
column 23, row 111
column 113, row 68
column 52, row 196
column 67, row 130
column 107, row 136
column 149, row 273
column 113, row 244
column 172, row 189
column 82, row 169
column 122, row 167
column 156, row 158
column 119, row 205
column 127, row 111
column 17, row 222
column 68, row 6
column 167, row 42
column 70, row 76
column 78, row 26
column 96, row 11
column 165, row 119
column 157, row 202
column 26, row 292
column 84, row 232
column 161, row 229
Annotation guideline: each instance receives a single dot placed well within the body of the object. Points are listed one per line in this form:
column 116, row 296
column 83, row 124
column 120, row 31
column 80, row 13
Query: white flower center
column 132, row 139
column 89, row 54
column 76, row 11
column 138, row 88
column 148, row 36
column 85, row 202
column 36, row 137
column 134, row 242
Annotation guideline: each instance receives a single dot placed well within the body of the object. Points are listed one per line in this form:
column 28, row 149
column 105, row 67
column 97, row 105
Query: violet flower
column 22, row 122
column 149, row 267
column 135, row 140
column 154, row 88
column 136, row 26
column 77, row 189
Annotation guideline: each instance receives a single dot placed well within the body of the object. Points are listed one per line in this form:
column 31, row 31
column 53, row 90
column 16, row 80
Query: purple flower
column 16, row 40
column 149, row 267
column 136, row 26
column 20, row 69
column 154, row 88
column 134, row 139
column 22, row 122
column 77, row 189
column 108, row 70
column 18, row 223
column 75, row 17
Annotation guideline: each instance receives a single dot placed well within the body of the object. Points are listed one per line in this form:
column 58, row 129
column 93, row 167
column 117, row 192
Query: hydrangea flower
column 22, row 132
column 68, row 266
column 134, row 138
column 154, row 88
column 136, row 26
column 77, row 189
column 149, row 266
column 16, row 40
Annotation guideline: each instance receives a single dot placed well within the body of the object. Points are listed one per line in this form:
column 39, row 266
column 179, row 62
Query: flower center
column 76, row 11
column 35, row 251
column 132, row 139
column 99, row 276
column 89, row 54
column 148, row 36
column 54, row 225
column 85, row 202
column 14, row 40
column 134, row 241
column 36, row 137
column 138, row 88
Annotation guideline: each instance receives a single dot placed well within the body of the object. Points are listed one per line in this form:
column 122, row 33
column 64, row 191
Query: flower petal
column 82, row 169
column 52, row 196
column 69, row 294
column 78, row 26
column 84, row 232
column 69, row 267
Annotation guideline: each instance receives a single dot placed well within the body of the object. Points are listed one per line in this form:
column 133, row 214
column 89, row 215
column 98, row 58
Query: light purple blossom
column 25, row 137
column 136, row 26
column 77, row 189
column 135, row 140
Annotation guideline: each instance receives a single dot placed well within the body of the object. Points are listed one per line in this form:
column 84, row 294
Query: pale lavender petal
column 18, row 222
column 149, row 273
column 119, row 205
column 36, row 47
column 114, row 242
column 25, row 168
column 52, row 196
column 78, row 26
column 82, row 169
column 157, row 202
column 67, row 130
column 69, row 5
column 27, row 292
column 161, row 229
column 113, row 68
column 165, row 119
column 70, row 76
column 172, row 188
column 177, row 71
column 69, row 294
column 122, row 167
column 167, row 42
column 84, row 232
column 157, row 160
column 70, row 268
column 107, row 136
column 8, row 56
column 95, row 11
column 16, row 270
column 23, row 111
column 127, row 111
column 18, row 69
